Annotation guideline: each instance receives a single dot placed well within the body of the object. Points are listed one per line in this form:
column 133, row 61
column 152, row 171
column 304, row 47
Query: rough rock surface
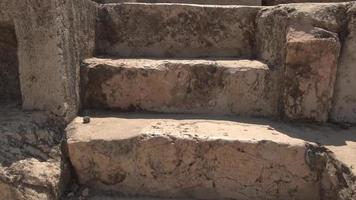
column 175, row 30
column 273, row 24
column 214, row 2
column 185, row 156
column 344, row 108
column 52, row 36
column 185, row 86
column 311, row 64
column 31, row 167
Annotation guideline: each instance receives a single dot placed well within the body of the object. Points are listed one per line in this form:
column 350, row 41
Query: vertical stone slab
column 45, row 82
column 344, row 107
column 311, row 63
column 51, row 42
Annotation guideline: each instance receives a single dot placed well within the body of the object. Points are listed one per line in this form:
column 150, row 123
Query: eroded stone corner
column 337, row 182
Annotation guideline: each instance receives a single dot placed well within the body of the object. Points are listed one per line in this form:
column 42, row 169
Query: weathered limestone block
column 213, row 2
column 273, row 24
column 311, row 64
column 31, row 165
column 190, row 158
column 184, row 86
column 175, row 30
column 344, row 108
column 53, row 36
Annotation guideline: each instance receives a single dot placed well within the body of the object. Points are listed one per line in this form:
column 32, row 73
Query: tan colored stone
column 311, row 64
column 184, row 86
column 53, row 35
column 175, row 30
column 188, row 156
column 273, row 24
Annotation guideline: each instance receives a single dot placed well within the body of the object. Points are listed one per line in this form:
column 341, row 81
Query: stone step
column 182, row 156
column 175, row 30
column 205, row 2
column 241, row 87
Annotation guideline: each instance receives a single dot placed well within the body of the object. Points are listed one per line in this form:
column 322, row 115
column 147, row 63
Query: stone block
column 176, row 156
column 175, row 30
column 240, row 87
column 311, row 64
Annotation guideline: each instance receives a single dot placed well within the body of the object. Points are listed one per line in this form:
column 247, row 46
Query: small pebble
column 86, row 120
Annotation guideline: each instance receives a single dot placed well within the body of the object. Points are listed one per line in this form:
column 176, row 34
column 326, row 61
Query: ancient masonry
column 177, row 99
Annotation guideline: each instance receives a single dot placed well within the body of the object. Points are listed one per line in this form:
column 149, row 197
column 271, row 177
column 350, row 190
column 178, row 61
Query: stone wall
column 54, row 36
column 175, row 31
column 51, row 43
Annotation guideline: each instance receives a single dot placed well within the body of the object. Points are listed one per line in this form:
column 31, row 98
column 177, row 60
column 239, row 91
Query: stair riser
column 179, row 87
column 176, row 167
column 173, row 30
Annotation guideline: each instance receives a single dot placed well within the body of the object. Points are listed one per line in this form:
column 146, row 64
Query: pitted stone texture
column 311, row 64
column 211, row 157
column 344, row 109
column 206, row 159
column 52, row 36
column 273, row 23
column 31, row 167
column 184, row 86
column 213, row 2
column 175, row 30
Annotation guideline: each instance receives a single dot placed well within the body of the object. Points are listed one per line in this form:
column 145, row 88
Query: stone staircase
column 173, row 98
column 179, row 99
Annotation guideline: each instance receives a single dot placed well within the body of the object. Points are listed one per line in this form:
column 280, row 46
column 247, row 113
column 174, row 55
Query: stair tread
column 219, row 86
column 112, row 126
column 176, row 156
